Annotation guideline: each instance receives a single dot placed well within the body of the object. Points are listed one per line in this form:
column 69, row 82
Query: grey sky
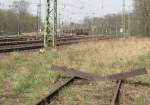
column 75, row 10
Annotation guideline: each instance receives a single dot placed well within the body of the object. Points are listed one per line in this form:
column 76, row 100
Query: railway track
column 17, row 43
column 49, row 98
column 104, row 93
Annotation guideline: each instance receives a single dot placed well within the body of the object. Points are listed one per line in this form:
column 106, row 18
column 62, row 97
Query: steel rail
column 21, row 47
column 95, row 77
column 10, row 44
column 90, row 77
column 3, row 39
column 49, row 98
column 19, row 42
column 116, row 96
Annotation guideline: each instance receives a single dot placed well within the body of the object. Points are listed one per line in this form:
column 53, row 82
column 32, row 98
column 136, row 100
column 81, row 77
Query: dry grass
column 26, row 78
column 106, row 56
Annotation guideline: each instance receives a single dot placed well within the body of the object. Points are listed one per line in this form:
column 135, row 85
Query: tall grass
column 24, row 75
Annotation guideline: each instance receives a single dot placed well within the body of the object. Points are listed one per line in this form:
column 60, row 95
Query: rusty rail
column 10, row 44
column 120, row 77
column 47, row 100
column 116, row 97
column 94, row 77
column 75, row 74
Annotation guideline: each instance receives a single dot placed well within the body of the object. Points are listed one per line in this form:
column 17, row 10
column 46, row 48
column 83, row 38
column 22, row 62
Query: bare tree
column 21, row 6
column 18, row 13
column 142, row 17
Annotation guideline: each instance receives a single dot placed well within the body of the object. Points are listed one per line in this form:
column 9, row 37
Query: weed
column 24, row 84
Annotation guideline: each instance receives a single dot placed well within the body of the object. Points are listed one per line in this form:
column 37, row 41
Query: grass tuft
column 24, row 85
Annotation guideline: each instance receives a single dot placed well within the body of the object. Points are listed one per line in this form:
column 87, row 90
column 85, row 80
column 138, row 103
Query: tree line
column 142, row 17
column 110, row 24
column 17, row 19
column 137, row 22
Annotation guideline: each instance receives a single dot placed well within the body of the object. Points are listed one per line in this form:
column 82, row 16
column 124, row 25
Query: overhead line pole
column 18, row 22
column 123, row 17
column 46, row 24
column 39, row 17
column 50, row 23
column 55, row 24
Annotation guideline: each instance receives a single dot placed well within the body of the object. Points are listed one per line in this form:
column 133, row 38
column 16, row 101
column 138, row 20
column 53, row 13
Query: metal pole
column 46, row 23
column 59, row 26
column 129, row 23
column 123, row 17
column 116, row 29
column 50, row 23
column 18, row 22
column 55, row 24
column 39, row 17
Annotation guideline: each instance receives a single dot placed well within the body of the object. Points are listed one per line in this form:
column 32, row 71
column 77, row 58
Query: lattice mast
column 50, row 23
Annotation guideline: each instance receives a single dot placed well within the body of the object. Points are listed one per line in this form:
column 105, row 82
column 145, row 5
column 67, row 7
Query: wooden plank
column 94, row 77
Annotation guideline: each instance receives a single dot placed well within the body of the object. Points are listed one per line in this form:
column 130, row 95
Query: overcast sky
column 75, row 10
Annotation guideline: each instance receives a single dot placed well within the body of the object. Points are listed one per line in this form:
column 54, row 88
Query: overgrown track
column 66, row 40
column 17, row 43
column 102, row 94
column 18, row 38
column 48, row 99
column 109, row 93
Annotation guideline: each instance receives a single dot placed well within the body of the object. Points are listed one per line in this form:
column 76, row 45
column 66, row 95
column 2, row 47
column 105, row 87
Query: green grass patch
column 142, row 61
column 24, row 84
